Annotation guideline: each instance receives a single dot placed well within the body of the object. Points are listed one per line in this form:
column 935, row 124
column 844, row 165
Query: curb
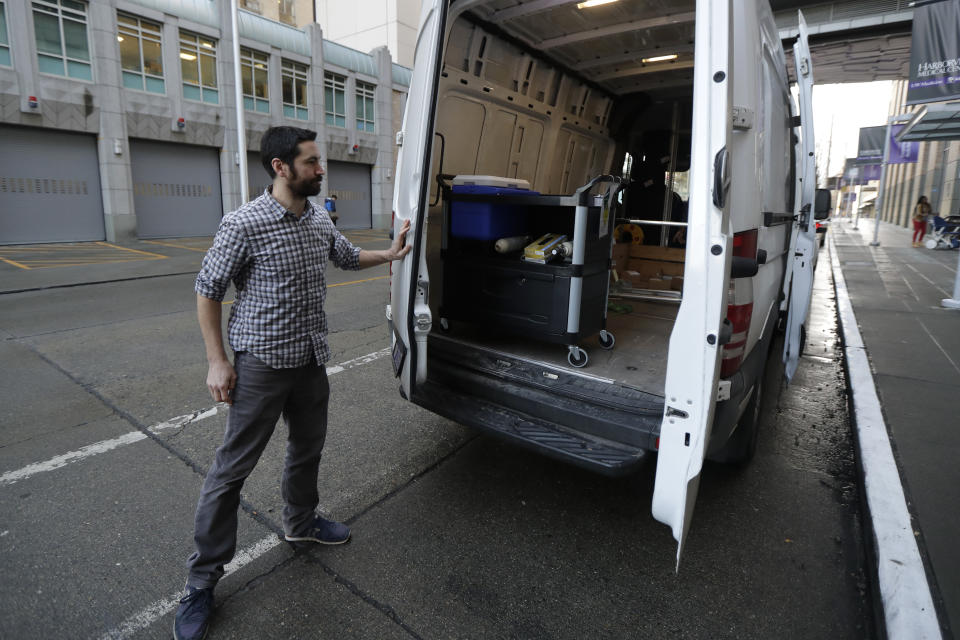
column 908, row 610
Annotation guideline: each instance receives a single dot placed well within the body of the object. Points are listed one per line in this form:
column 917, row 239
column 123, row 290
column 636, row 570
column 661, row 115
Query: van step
column 595, row 454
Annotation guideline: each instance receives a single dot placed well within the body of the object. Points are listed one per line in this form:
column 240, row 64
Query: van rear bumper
column 587, row 421
column 596, row 454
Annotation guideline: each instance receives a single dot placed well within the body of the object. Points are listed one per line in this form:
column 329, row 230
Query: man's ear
column 277, row 165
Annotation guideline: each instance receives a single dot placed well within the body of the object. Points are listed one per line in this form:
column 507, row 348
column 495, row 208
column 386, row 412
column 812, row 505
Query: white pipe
column 954, row 302
column 241, row 118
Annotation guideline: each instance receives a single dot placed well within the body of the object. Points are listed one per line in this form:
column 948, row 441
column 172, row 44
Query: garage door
column 49, row 187
column 258, row 178
column 351, row 184
column 176, row 189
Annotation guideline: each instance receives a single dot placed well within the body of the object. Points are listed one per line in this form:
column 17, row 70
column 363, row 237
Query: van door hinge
column 723, row 390
column 399, row 138
column 742, row 118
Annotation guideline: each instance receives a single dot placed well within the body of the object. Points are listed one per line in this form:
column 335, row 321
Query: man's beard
column 305, row 187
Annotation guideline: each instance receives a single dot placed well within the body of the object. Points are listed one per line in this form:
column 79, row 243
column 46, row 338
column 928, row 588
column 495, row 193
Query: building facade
column 935, row 174
column 118, row 120
column 366, row 24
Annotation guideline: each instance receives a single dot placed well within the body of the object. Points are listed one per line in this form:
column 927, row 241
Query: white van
column 552, row 124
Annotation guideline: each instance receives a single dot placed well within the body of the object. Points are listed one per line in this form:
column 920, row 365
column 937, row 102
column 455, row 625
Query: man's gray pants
column 261, row 395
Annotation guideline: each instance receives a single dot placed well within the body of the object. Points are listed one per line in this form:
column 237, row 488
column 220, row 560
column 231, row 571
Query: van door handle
column 721, row 180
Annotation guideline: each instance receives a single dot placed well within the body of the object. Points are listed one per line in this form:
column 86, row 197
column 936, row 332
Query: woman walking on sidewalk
column 920, row 214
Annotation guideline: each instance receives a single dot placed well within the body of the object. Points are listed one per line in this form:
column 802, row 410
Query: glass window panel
column 149, row 28
column 211, row 95
column 301, row 86
column 247, row 82
column 130, row 53
column 302, row 114
column 46, row 64
column 152, row 58
column 75, row 40
column 359, row 108
column 155, row 85
column 263, row 106
column 208, row 70
column 74, row 5
column 248, row 103
column 206, row 43
column 341, row 121
column 289, row 112
column 287, row 84
column 3, row 26
column 4, row 57
column 132, row 80
column 340, row 102
column 127, row 20
column 190, row 69
column 330, row 119
column 80, row 70
column 328, row 98
column 260, row 80
column 191, row 93
column 47, row 30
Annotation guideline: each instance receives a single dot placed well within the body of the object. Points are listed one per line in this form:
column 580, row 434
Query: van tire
column 741, row 447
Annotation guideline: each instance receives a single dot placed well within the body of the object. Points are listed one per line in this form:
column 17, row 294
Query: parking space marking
column 175, row 246
column 83, row 453
column 149, row 615
column 71, row 255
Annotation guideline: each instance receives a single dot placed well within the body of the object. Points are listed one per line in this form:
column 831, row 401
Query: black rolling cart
column 563, row 300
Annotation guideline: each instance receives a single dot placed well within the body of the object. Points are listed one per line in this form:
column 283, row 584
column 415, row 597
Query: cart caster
column 930, row 244
column 607, row 340
column 577, row 357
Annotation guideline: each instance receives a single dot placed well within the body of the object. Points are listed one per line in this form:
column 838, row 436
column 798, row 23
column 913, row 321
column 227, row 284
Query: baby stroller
column 945, row 234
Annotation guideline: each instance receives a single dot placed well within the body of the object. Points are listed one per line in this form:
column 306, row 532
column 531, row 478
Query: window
column 198, row 67
column 60, row 27
column 4, row 42
column 140, row 54
column 287, row 11
column 253, row 77
column 334, row 99
column 294, row 90
column 365, row 95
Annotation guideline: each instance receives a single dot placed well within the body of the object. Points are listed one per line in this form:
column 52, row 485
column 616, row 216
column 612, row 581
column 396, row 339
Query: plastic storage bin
column 487, row 220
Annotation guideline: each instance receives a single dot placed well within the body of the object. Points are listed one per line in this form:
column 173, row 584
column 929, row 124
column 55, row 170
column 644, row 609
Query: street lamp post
column 883, row 174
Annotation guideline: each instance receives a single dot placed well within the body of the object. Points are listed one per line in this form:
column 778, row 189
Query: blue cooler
column 488, row 220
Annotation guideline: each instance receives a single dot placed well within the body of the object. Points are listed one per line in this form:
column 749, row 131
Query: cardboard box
column 665, row 254
column 677, row 284
column 658, row 284
column 621, row 256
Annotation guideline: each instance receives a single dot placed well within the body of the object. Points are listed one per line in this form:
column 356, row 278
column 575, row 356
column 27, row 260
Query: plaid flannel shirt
column 278, row 264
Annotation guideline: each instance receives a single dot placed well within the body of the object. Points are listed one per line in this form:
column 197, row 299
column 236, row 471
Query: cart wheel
column 607, row 340
column 577, row 357
column 931, row 244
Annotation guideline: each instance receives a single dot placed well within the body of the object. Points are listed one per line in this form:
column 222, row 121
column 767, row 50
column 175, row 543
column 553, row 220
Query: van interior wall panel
column 49, row 187
column 350, row 182
column 176, row 189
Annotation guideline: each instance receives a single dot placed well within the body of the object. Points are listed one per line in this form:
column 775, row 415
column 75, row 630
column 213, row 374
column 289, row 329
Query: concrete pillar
column 951, row 181
column 382, row 176
column 116, row 182
column 317, row 121
column 229, row 169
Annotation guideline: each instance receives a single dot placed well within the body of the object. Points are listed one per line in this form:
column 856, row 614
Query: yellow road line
column 175, row 246
column 156, row 256
column 343, row 284
column 16, row 264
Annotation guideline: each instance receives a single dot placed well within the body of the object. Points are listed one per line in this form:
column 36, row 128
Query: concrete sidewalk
column 913, row 345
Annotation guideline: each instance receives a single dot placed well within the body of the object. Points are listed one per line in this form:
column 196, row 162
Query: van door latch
column 723, row 390
column 742, row 118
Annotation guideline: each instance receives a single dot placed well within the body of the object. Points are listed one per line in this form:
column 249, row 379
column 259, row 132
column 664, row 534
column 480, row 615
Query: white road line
column 146, row 617
column 103, row 446
column 907, row 604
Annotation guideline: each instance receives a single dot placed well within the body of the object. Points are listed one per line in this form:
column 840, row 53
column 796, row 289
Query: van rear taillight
column 745, row 244
column 739, row 315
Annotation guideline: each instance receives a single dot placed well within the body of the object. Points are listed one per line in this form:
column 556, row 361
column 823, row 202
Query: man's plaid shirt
column 278, row 264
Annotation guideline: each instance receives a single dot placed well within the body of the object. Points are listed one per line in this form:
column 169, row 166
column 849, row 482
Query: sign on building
column 935, row 52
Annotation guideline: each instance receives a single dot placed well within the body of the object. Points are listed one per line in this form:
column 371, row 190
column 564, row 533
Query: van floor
column 638, row 358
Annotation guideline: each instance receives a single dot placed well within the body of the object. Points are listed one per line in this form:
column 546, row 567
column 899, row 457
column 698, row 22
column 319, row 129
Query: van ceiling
column 605, row 44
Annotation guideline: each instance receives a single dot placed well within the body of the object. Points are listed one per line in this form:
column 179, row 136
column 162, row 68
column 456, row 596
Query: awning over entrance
column 933, row 122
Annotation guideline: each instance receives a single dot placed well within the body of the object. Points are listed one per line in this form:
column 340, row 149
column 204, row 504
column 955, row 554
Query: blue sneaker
column 193, row 615
column 321, row 531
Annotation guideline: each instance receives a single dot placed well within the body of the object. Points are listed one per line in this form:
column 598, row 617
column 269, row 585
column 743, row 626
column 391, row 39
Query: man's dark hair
column 333, row 195
column 282, row 143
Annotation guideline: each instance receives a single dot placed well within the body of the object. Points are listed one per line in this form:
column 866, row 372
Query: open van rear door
column 798, row 283
column 700, row 330
column 409, row 312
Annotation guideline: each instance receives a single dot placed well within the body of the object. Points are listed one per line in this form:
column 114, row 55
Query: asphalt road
column 456, row 534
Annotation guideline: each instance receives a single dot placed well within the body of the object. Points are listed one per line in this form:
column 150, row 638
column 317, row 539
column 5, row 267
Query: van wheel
column 742, row 445
column 577, row 357
column 607, row 340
